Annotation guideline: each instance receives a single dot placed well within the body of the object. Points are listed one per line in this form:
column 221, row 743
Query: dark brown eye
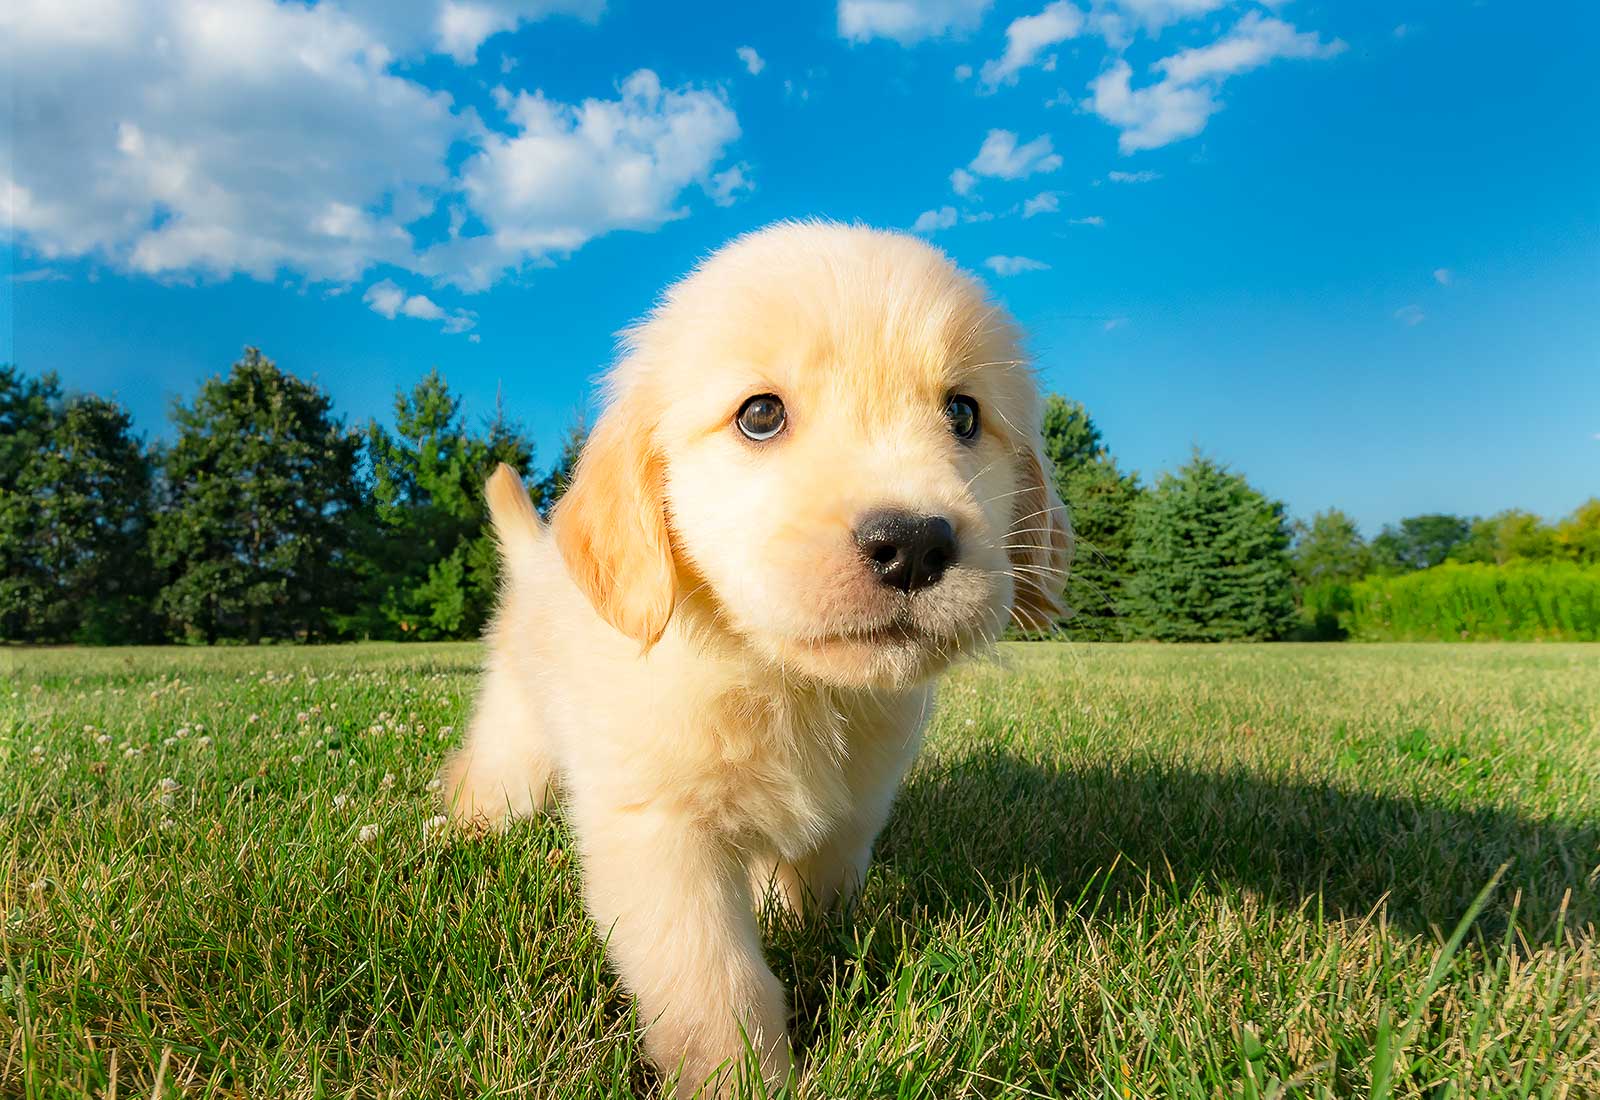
column 962, row 412
column 761, row 417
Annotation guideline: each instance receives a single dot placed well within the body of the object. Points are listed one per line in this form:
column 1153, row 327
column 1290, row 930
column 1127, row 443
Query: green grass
column 1116, row 871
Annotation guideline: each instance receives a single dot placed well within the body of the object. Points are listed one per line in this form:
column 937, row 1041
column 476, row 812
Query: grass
column 1117, row 871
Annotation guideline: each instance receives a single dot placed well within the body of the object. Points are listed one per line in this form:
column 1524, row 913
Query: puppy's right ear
column 611, row 527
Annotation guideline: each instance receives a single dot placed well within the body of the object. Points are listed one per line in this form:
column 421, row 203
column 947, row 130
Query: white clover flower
column 132, row 751
column 102, row 739
column 204, row 742
column 367, row 834
column 435, row 824
column 387, row 781
column 182, row 731
column 339, row 800
column 168, row 742
column 302, row 718
column 253, row 719
column 297, row 759
column 435, row 783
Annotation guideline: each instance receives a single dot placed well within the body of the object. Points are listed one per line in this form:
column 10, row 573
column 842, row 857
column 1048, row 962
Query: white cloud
column 177, row 138
column 753, row 61
column 1092, row 219
column 1006, row 266
column 569, row 174
column 963, row 73
column 1133, row 177
column 388, row 299
column 1184, row 99
column 1410, row 315
column 1000, row 156
column 908, row 21
column 39, row 275
column 1401, row 30
column 1045, row 202
column 931, row 221
column 461, row 26
column 1113, row 323
column 726, row 187
column 1028, row 37
column 962, row 181
column 1443, row 276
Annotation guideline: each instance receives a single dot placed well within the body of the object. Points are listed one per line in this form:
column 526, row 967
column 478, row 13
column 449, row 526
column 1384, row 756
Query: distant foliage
column 256, row 528
column 1419, row 542
column 1549, row 601
column 1101, row 500
column 75, row 489
column 1210, row 559
column 430, row 572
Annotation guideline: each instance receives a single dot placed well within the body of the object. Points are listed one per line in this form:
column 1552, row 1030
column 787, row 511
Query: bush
column 1546, row 601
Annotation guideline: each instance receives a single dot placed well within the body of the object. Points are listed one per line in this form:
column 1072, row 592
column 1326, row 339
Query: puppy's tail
column 517, row 527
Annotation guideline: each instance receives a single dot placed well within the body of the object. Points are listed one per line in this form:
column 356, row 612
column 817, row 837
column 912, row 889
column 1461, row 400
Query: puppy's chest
column 776, row 766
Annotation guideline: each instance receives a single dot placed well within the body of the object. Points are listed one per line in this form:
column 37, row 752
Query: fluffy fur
column 695, row 652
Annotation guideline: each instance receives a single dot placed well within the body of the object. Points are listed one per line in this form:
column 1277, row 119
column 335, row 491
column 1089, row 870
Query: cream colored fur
column 694, row 652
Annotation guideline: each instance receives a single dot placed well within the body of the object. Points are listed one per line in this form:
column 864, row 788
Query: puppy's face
column 828, row 436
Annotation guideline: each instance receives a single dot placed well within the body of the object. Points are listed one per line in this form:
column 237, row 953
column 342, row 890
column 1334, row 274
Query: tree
column 1071, row 439
column 555, row 481
column 1420, row 542
column 1209, row 559
column 260, row 492
column 1330, row 549
column 433, row 569
column 1100, row 498
column 74, row 517
column 1578, row 536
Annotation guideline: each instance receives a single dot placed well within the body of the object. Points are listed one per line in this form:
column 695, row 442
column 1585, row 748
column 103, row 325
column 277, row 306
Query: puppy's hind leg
column 504, row 770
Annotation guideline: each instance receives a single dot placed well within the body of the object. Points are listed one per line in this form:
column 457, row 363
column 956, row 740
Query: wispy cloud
column 1046, row 202
column 1113, row 323
column 908, row 21
column 39, row 275
column 1410, row 315
column 1028, row 37
column 1133, row 177
column 388, row 299
column 753, row 61
column 1092, row 219
column 1179, row 105
column 1001, row 157
column 1006, row 266
column 726, row 187
column 931, row 221
column 1443, row 276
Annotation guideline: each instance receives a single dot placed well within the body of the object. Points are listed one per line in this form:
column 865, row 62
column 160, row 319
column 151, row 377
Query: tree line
column 1202, row 555
column 268, row 517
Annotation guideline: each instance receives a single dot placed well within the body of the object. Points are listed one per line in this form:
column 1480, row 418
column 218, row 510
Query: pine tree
column 1209, row 559
column 260, row 489
column 74, row 517
column 1100, row 499
column 433, row 567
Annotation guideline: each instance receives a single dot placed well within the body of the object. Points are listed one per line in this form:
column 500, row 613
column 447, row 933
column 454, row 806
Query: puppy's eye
column 962, row 412
column 761, row 417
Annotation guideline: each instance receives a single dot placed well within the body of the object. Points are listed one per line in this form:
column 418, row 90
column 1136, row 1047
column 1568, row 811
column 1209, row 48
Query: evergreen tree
column 434, row 566
column 260, row 491
column 74, row 517
column 1209, row 559
column 555, row 482
column 1101, row 499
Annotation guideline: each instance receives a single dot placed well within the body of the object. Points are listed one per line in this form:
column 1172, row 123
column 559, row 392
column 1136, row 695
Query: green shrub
column 1546, row 601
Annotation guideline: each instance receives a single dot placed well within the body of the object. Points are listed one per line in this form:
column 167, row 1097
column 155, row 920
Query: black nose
column 905, row 551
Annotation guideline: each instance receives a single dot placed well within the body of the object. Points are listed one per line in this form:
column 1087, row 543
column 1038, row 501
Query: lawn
column 1123, row 871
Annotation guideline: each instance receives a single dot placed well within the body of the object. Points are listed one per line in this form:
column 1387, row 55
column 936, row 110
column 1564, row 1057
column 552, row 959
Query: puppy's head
column 826, row 436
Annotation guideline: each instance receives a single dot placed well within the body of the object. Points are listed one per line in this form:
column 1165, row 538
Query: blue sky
column 1351, row 249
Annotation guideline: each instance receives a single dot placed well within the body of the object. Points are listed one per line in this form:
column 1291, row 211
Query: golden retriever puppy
column 817, row 482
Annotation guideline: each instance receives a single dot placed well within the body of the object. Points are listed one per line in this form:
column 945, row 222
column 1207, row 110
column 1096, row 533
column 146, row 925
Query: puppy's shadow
column 966, row 830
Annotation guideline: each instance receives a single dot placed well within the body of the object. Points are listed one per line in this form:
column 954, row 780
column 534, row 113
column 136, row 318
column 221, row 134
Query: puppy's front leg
column 675, row 904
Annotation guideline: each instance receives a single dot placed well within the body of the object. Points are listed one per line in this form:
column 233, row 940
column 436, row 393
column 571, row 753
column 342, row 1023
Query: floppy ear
column 1040, row 546
column 611, row 528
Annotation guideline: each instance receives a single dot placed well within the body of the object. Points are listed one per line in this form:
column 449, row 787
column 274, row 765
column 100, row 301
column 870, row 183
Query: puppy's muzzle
column 906, row 551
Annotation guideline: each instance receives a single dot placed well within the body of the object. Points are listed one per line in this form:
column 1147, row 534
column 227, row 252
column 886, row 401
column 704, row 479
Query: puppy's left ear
column 1040, row 546
column 611, row 527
